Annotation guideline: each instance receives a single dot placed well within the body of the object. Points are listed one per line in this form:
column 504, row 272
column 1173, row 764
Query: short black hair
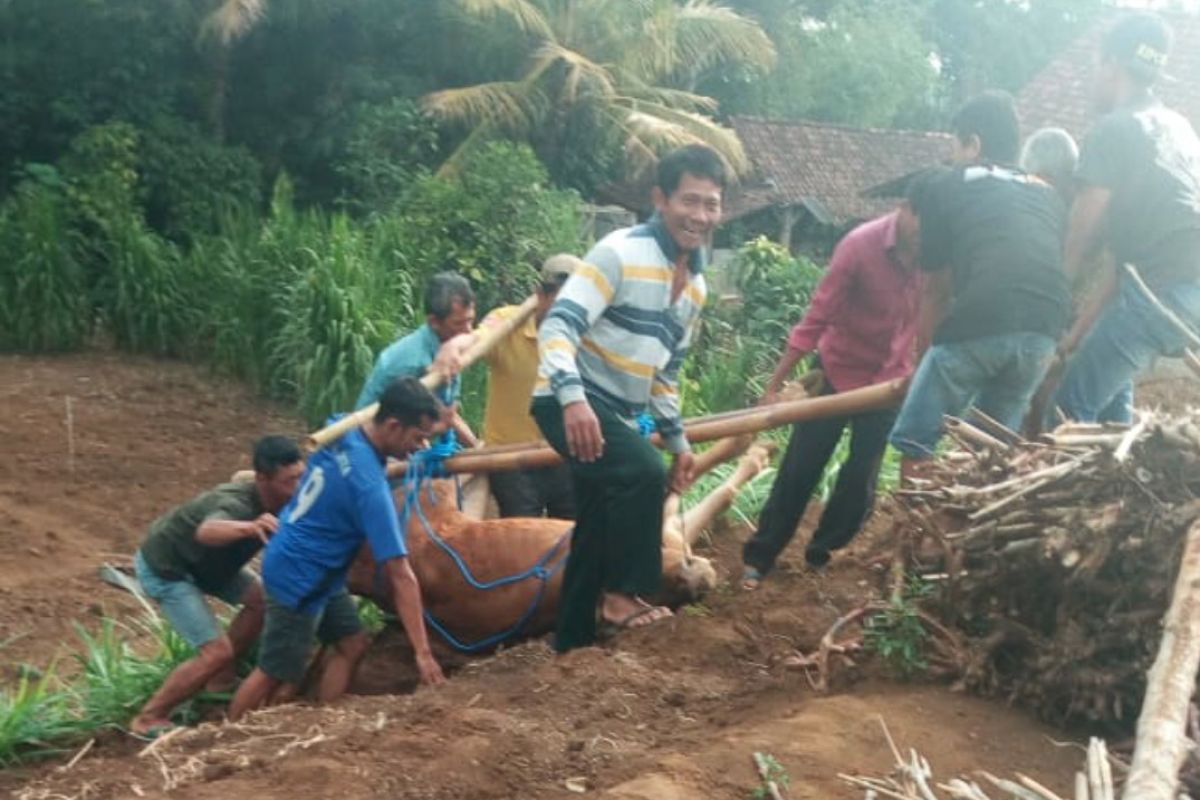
column 273, row 452
column 921, row 188
column 992, row 116
column 443, row 289
column 408, row 401
column 1140, row 43
column 694, row 159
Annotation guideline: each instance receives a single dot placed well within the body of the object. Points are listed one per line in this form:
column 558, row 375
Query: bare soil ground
column 674, row 711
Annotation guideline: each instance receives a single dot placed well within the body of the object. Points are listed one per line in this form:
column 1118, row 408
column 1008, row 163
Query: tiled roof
column 1061, row 93
column 827, row 168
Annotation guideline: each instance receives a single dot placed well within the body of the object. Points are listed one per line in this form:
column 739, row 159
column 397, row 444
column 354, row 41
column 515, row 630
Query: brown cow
column 496, row 548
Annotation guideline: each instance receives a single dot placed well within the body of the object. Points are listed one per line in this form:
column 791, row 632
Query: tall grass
column 115, row 679
column 43, row 290
column 38, row 718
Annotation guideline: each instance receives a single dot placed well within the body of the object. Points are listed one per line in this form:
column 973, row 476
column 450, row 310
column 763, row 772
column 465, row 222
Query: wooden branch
column 969, row 434
column 485, row 341
column 1170, row 684
column 703, row 429
column 1168, row 314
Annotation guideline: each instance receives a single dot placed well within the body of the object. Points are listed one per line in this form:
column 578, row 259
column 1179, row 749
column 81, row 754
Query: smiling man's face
column 691, row 211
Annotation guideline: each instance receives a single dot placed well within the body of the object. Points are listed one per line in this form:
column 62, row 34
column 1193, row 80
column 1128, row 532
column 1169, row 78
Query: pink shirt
column 863, row 316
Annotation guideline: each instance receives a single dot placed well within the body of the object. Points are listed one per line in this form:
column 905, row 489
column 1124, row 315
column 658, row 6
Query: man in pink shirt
column 861, row 327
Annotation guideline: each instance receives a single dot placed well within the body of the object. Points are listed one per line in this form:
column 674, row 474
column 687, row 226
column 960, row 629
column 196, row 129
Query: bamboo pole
column 484, row 342
column 703, row 429
column 1161, row 730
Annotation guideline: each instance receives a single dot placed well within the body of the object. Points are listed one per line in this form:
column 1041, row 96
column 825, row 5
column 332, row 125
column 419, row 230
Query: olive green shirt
column 171, row 548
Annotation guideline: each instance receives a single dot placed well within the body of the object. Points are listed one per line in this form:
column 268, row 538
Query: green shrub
column 495, row 223
column 43, row 289
column 187, row 181
column 388, row 147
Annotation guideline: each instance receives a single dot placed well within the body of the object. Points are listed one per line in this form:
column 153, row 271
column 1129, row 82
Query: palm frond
column 660, row 127
column 506, row 105
column 528, row 17
column 695, row 36
column 232, row 20
column 581, row 72
column 637, row 89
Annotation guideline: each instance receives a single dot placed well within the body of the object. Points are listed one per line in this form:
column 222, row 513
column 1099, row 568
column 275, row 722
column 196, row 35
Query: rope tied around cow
column 424, row 467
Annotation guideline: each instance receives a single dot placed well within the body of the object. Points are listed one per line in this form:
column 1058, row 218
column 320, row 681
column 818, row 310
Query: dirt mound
column 674, row 711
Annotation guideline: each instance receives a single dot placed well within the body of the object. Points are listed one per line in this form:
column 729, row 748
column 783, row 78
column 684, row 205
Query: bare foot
column 150, row 726
column 630, row 611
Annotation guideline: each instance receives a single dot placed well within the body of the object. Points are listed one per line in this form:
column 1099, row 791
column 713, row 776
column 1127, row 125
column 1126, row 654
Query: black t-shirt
column 1149, row 157
column 1000, row 232
column 171, row 548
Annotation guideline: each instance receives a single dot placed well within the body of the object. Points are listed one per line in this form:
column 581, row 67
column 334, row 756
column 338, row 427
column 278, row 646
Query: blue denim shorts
column 183, row 604
column 996, row 374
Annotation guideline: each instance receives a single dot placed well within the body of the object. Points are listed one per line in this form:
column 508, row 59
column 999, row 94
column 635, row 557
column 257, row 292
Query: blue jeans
column 1129, row 335
column 996, row 374
column 183, row 603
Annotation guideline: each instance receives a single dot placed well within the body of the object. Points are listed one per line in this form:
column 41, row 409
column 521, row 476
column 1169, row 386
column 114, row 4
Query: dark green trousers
column 617, row 544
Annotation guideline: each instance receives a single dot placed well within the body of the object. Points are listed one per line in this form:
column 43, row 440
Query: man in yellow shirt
column 513, row 367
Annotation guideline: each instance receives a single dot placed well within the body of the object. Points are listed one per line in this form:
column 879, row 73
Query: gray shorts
column 287, row 639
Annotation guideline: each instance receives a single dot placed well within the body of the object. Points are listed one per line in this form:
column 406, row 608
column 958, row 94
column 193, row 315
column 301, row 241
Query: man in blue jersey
column 343, row 501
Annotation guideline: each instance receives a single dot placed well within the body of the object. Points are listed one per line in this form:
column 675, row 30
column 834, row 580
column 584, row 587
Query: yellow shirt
column 513, row 368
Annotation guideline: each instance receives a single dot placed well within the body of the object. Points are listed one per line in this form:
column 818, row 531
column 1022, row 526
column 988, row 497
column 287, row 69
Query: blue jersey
column 343, row 501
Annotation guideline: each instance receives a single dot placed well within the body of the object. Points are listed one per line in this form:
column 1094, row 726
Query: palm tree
column 227, row 22
column 628, row 65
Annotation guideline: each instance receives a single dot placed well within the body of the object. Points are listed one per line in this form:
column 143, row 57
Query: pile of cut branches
column 1058, row 558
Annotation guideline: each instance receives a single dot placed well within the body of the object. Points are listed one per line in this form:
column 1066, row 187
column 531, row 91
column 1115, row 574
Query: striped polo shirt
column 613, row 336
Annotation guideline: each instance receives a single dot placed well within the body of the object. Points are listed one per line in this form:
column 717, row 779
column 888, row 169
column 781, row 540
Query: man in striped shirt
column 610, row 348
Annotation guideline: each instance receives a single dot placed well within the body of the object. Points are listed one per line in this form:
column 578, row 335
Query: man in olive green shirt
column 202, row 548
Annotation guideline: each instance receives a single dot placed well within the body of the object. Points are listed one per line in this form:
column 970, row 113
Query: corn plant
column 115, row 680
column 44, row 303
column 346, row 306
column 37, row 719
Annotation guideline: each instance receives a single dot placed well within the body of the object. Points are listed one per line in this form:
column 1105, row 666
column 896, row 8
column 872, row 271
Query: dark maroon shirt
column 863, row 316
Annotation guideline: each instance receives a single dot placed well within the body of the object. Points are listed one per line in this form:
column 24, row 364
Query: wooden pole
column 702, row 429
column 1161, row 730
column 484, row 342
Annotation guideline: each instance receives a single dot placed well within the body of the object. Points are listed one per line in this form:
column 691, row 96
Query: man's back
column 343, row 500
column 1148, row 156
column 171, row 548
column 1000, row 233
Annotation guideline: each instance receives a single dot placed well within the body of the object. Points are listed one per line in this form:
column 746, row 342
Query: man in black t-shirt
column 1139, row 195
column 992, row 235
column 201, row 548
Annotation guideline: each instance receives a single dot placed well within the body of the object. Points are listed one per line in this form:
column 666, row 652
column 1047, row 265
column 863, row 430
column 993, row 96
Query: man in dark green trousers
column 609, row 349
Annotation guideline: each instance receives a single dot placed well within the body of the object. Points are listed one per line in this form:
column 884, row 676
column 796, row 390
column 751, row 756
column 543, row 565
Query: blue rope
column 430, row 463
column 646, row 426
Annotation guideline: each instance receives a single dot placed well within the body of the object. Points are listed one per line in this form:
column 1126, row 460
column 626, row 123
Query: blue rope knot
column 430, row 463
column 646, row 426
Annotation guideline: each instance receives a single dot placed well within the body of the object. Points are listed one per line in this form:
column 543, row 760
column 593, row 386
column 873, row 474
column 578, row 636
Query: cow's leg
column 700, row 516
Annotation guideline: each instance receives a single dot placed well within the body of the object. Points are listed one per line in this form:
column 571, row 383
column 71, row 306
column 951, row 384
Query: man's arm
column 406, row 592
column 1088, row 214
column 783, row 370
column 580, row 302
column 465, row 435
column 935, row 299
column 218, row 531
